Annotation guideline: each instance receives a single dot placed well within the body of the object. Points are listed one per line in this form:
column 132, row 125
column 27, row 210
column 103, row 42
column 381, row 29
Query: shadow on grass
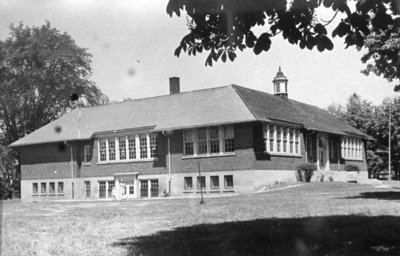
column 384, row 195
column 330, row 235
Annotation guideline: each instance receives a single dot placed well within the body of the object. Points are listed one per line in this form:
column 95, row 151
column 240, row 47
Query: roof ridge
column 154, row 97
column 234, row 87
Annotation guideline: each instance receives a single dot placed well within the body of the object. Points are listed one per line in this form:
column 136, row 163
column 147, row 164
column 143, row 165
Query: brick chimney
column 174, row 86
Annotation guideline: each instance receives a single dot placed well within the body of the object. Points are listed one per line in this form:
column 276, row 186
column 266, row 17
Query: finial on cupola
column 280, row 84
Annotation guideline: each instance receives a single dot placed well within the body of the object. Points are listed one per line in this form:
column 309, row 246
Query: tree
column 336, row 110
column 8, row 171
column 40, row 70
column 374, row 121
column 359, row 113
column 381, row 132
column 221, row 27
column 383, row 56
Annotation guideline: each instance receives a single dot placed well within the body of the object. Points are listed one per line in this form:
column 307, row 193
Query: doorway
column 322, row 152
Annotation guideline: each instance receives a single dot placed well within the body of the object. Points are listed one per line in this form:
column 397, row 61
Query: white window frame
column 191, row 136
column 137, row 147
column 87, row 151
column 351, row 148
column 278, row 132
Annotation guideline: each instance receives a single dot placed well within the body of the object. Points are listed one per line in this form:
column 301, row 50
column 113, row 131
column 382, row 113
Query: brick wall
column 52, row 161
column 249, row 154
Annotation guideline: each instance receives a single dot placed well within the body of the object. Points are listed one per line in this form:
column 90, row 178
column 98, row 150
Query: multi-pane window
column 229, row 139
column 111, row 148
column 43, row 188
column 333, row 150
column 228, row 181
column 201, row 182
column 214, row 182
column 122, row 147
column 351, row 148
column 34, row 188
column 131, row 190
column 153, row 146
column 103, row 149
column 87, row 188
column 278, row 139
column 202, row 141
column 143, row 145
column 87, row 153
column 188, row 142
column 209, row 140
column 52, row 187
column 291, row 141
column 60, row 187
column 132, row 147
column 188, row 183
column 285, row 144
column 214, row 140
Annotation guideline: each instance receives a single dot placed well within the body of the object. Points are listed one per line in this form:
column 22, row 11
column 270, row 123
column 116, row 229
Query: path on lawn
column 103, row 228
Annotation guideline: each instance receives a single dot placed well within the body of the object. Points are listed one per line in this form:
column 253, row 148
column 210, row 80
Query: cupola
column 280, row 85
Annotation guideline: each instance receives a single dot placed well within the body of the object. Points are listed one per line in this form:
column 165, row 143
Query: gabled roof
column 221, row 105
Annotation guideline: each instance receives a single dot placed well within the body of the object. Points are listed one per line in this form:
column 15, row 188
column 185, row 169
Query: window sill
column 35, row 195
column 208, row 156
column 283, row 154
column 86, row 163
column 60, row 194
column 353, row 159
column 129, row 161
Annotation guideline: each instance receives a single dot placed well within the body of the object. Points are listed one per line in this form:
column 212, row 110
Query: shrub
column 351, row 168
column 305, row 171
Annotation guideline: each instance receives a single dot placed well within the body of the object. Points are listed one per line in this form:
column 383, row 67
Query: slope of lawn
column 312, row 219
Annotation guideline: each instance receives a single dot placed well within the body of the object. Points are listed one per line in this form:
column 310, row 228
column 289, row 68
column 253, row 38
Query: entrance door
column 130, row 191
column 110, row 188
column 154, row 188
column 144, row 188
column 102, row 189
column 322, row 159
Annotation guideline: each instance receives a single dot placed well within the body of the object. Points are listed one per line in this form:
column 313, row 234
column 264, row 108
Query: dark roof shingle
column 221, row 105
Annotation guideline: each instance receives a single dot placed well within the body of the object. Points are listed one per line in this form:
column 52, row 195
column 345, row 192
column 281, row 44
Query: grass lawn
column 312, row 219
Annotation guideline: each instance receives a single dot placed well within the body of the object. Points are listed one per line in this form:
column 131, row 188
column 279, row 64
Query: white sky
column 138, row 35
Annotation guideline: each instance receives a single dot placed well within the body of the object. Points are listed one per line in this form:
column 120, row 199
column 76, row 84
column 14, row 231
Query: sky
column 133, row 43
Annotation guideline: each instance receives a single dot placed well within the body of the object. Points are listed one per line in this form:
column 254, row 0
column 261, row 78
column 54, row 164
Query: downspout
column 72, row 167
column 169, row 162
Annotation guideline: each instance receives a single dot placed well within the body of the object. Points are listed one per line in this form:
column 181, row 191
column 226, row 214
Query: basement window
column 228, row 181
column 43, row 188
column 201, row 183
column 60, row 187
column 35, row 189
column 87, row 188
column 214, row 182
column 188, row 183
column 52, row 187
